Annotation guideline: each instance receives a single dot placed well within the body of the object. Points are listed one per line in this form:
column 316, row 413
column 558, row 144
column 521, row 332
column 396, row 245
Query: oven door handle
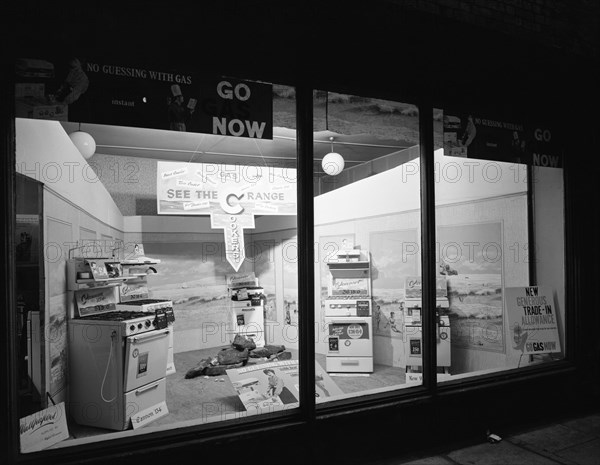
column 150, row 335
column 146, row 388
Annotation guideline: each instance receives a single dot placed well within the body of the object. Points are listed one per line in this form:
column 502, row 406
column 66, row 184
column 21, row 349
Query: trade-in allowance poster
column 532, row 318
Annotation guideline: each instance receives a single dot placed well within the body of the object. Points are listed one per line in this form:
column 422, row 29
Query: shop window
column 170, row 251
column 499, row 244
column 368, row 256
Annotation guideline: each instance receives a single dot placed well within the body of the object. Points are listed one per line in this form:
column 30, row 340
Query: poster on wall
column 262, row 254
column 88, row 90
column 192, row 276
column 532, row 319
column 394, row 255
column 27, row 233
column 231, row 194
column 56, row 333
column 58, row 234
column 470, row 256
column 473, row 135
column 289, row 251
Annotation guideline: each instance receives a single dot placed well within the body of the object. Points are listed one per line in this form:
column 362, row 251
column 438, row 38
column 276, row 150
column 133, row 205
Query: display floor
column 201, row 398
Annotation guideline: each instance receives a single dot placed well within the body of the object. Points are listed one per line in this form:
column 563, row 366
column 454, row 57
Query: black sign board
column 472, row 135
column 105, row 92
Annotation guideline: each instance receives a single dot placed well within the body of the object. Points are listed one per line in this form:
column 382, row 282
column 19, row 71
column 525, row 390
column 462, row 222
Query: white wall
column 398, row 190
column 75, row 207
column 467, row 192
column 45, row 152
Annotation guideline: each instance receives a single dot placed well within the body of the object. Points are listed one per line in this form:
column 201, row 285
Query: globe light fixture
column 333, row 162
column 84, row 142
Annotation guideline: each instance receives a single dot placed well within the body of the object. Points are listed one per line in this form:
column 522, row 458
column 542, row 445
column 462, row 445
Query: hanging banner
column 206, row 188
column 230, row 194
column 471, row 135
column 532, row 319
column 126, row 94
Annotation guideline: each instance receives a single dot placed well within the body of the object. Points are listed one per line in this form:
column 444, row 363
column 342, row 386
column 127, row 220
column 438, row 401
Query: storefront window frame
column 307, row 413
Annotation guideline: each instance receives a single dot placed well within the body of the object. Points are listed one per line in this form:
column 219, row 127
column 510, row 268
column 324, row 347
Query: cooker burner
column 116, row 316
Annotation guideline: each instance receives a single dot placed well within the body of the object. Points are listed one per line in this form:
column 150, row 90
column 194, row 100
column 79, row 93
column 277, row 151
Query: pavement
column 569, row 441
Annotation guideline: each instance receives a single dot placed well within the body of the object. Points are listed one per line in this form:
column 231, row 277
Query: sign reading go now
column 231, row 194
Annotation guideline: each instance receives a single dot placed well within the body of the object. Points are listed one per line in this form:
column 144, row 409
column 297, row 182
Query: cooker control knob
column 132, row 328
column 139, row 326
column 147, row 323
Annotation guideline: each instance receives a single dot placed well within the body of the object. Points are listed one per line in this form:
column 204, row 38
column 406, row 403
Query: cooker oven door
column 349, row 336
column 146, row 358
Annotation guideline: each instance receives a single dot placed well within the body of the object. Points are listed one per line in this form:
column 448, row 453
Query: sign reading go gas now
column 230, row 194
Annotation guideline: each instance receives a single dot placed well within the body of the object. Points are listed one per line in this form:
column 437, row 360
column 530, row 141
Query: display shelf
column 100, row 281
column 349, row 265
column 140, row 262
column 92, row 285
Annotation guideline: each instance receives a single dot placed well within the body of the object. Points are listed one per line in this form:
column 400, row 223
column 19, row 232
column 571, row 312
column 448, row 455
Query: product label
column 415, row 347
column 150, row 414
column 363, row 308
column 349, row 330
column 142, row 369
column 334, row 344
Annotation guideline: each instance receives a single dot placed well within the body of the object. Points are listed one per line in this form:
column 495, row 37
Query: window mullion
column 306, row 315
column 428, row 243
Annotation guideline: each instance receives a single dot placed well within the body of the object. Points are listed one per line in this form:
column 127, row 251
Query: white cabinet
column 348, row 313
column 246, row 308
column 412, row 325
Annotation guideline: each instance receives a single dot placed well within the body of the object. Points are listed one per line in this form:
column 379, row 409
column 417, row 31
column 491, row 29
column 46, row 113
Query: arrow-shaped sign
column 233, row 226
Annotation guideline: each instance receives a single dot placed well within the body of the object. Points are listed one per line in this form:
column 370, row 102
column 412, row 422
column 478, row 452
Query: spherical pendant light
column 333, row 162
column 84, row 142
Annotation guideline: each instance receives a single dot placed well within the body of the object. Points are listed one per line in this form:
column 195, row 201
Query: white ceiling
column 208, row 148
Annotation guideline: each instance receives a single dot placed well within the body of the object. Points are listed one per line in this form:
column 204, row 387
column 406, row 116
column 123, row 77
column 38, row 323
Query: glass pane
column 504, row 310
column 170, row 259
column 367, row 235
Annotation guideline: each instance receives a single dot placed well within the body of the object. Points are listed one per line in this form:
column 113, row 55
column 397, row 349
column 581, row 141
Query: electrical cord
column 112, row 337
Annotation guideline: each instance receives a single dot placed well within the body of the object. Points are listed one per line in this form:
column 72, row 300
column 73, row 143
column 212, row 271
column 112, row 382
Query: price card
column 149, row 415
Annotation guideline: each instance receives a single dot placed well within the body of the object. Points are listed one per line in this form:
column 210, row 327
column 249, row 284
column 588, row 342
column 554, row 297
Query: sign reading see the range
column 231, row 194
